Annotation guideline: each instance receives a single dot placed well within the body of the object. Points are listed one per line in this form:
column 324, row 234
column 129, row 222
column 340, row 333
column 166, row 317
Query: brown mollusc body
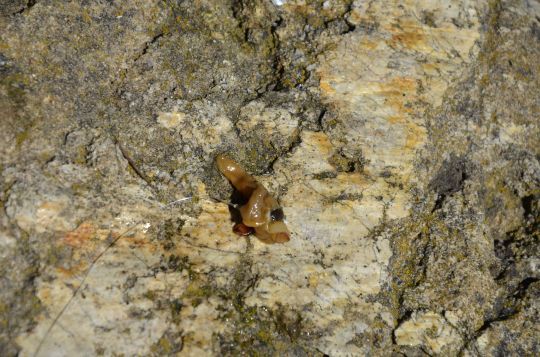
column 261, row 212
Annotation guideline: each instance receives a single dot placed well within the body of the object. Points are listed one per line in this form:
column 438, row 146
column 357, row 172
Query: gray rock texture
column 401, row 138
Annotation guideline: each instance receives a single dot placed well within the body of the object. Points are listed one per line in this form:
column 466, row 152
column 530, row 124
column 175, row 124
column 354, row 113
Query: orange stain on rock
column 399, row 91
column 407, row 34
column 326, row 87
column 396, row 119
column 368, row 44
column 322, row 142
column 136, row 239
column 399, row 86
column 415, row 135
column 78, row 237
column 87, row 241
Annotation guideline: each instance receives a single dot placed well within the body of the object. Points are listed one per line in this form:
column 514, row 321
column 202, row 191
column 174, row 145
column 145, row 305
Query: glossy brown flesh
column 257, row 213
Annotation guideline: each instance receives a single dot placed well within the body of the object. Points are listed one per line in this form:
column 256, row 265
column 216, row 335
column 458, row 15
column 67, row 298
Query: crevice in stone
column 49, row 160
column 517, row 244
column 5, row 194
column 424, row 263
column 423, row 349
column 147, row 45
column 294, row 144
column 405, row 317
column 504, row 314
column 351, row 28
column 133, row 166
column 320, row 119
column 527, row 203
column 344, row 163
column 520, row 291
column 350, row 25
column 449, row 179
column 277, row 65
column 322, row 353
column 27, row 7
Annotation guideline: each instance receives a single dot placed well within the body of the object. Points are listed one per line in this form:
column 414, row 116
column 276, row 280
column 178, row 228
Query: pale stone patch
column 171, row 120
column 329, row 261
column 276, row 124
column 99, row 311
column 429, row 330
column 381, row 83
column 46, row 215
column 199, row 324
column 384, row 81
column 279, row 2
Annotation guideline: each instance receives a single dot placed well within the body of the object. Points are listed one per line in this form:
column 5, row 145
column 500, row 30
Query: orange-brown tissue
column 261, row 212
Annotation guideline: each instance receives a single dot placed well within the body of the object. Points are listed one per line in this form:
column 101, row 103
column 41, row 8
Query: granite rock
column 401, row 139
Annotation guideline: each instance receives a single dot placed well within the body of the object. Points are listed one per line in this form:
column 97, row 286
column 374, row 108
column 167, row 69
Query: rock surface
column 400, row 137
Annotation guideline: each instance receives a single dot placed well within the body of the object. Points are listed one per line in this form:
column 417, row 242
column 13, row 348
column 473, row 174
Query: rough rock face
column 401, row 138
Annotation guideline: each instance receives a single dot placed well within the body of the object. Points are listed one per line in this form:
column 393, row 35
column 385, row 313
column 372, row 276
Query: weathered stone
column 401, row 139
column 431, row 331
